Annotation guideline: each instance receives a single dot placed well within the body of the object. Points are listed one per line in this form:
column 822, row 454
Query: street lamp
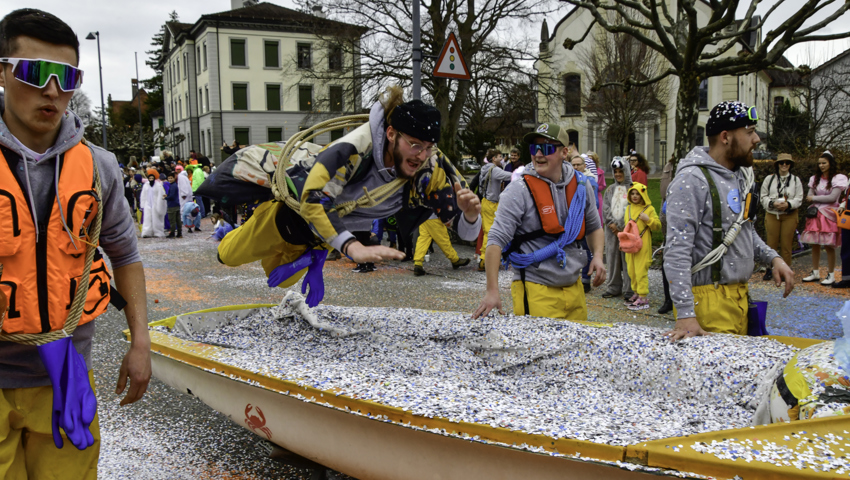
column 92, row 36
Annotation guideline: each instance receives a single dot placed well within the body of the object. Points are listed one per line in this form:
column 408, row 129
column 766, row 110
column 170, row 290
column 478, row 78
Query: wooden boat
column 368, row 440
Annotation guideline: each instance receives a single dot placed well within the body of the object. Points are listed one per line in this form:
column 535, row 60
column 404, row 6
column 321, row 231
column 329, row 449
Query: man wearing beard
column 715, row 299
column 398, row 146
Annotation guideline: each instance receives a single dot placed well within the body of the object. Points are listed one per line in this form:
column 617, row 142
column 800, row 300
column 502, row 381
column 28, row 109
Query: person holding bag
column 825, row 188
column 845, row 240
column 781, row 196
column 640, row 216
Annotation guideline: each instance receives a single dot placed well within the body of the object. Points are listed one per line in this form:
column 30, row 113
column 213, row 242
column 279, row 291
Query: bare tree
column 81, row 105
column 826, row 97
column 697, row 50
column 615, row 58
column 384, row 51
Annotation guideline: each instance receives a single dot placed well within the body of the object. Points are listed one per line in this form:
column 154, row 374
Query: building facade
column 245, row 75
column 564, row 85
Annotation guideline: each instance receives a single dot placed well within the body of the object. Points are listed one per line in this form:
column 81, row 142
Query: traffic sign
column 451, row 64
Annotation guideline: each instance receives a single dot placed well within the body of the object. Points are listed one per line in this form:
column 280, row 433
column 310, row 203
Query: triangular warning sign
column 451, row 63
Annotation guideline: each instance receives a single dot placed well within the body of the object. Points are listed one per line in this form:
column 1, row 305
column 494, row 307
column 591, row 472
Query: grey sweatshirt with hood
column 20, row 365
column 690, row 227
column 491, row 181
column 517, row 214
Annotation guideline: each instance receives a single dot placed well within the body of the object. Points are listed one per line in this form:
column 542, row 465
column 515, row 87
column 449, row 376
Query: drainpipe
column 218, row 69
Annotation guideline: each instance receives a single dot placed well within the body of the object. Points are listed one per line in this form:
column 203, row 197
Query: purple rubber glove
column 314, row 279
column 281, row 273
column 74, row 403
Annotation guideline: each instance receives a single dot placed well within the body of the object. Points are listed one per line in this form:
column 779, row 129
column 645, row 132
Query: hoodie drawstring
column 59, row 202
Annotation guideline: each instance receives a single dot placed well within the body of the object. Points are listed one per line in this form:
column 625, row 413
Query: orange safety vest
column 541, row 195
column 40, row 278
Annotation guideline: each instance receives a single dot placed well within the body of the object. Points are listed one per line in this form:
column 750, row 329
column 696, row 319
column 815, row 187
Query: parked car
column 468, row 165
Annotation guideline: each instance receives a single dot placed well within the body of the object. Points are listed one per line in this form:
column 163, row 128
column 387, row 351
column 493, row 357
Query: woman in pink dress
column 825, row 188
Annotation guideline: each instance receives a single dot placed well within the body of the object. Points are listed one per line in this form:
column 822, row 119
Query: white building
column 243, row 75
column 561, row 70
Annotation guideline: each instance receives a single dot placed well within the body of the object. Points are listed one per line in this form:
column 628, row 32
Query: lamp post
column 92, row 36
column 139, row 96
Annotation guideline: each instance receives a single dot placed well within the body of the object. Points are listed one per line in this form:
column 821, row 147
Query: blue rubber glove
column 74, row 403
column 281, row 273
column 314, row 279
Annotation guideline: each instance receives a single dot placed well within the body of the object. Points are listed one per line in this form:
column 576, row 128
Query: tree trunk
column 687, row 114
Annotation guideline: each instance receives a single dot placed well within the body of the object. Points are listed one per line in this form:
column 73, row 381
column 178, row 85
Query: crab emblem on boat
column 258, row 421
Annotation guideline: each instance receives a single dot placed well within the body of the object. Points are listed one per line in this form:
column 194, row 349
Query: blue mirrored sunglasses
column 36, row 72
column 545, row 148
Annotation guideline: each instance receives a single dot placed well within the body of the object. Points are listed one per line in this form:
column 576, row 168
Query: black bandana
column 417, row 119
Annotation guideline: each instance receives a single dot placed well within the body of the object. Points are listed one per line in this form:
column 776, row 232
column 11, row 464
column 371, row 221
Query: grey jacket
column 20, row 365
column 492, row 182
column 607, row 197
column 517, row 214
column 689, row 230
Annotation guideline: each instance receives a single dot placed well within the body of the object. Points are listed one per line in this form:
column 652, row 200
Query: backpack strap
column 717, row 219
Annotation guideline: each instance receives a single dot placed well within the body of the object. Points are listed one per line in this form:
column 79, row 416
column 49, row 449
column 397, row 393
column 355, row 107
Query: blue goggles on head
column 545, row 148
column 37, row 72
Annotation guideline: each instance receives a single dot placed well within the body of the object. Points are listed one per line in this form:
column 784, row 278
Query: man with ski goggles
column 60, row 198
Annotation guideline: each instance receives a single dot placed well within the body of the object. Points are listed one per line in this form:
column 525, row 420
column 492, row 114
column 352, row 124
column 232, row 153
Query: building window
column 180, row 107
column 188, row 106
column 700, row 140
column 337, row 134
column 335, row 58
column 237, row 53
column 272, row 54
column 185, row 65
column 572, row 95
column 203, row 141
column 304, row 56
column 272, row 97
column 242, row 135
column 777, row 103
column 240, row 96
column 177, row 70
column 201, row 108
column 573, row 137
column 207, row 98
column 275, row 134
column 703, row 95
column 305, row 98
column 198, row 61
column 336, row 99
column 209, row 141
column 205, row 55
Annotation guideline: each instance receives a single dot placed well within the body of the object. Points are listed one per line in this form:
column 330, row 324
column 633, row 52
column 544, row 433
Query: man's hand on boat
column 468, row 203
column 491, row 300
column 685, row 328
column 360, row 253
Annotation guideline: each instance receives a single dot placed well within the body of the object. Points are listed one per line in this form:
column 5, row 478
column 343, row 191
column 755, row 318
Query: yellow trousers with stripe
column 27, row 450
column 488, row 216
column 553, row 302
column 433, row 229
column 723, row 309
column 259, row 239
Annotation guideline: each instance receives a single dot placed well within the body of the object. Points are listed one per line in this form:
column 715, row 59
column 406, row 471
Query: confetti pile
column 616, row 385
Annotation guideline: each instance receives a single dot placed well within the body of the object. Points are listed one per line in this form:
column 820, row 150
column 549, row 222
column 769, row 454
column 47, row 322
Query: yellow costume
column 436, row 230
column 488, row 216
column 638, row 263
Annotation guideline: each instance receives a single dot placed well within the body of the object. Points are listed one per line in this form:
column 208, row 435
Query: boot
column 768, row 275
column 481, row 266
column 814, row 277
column 830, row 279
column 170, row 234
column 586, row 287
column 842, row 283
column 461, row 262
column 418, row 271
column 667, row 306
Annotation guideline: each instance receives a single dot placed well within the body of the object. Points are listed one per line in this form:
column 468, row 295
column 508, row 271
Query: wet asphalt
column 171, row 435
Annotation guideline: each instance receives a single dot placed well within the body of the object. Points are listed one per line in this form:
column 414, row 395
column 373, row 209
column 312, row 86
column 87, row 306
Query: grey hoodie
column 493, row 185
column 20, row 365
column 607, row 196
column 690, row 226
column 517, row 214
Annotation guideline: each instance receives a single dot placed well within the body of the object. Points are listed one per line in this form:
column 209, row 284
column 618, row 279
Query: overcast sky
column 127, row 27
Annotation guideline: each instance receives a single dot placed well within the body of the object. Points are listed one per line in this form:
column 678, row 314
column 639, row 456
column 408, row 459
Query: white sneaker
column 814, row 277
column 830, row 279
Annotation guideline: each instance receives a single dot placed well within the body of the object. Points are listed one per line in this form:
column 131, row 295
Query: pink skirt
column 821, row 231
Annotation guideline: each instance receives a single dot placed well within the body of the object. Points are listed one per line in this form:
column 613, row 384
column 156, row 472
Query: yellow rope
column 76, row 312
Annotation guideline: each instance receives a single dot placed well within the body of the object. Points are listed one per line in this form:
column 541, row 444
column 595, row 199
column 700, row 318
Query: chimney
column 134, row 84
column 317, row 11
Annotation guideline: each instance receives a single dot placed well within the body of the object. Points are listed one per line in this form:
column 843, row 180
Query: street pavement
column 171, row 435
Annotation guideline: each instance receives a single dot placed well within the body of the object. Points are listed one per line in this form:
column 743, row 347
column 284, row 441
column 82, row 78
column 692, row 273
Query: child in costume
column 614, row 203
column 641, row 211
